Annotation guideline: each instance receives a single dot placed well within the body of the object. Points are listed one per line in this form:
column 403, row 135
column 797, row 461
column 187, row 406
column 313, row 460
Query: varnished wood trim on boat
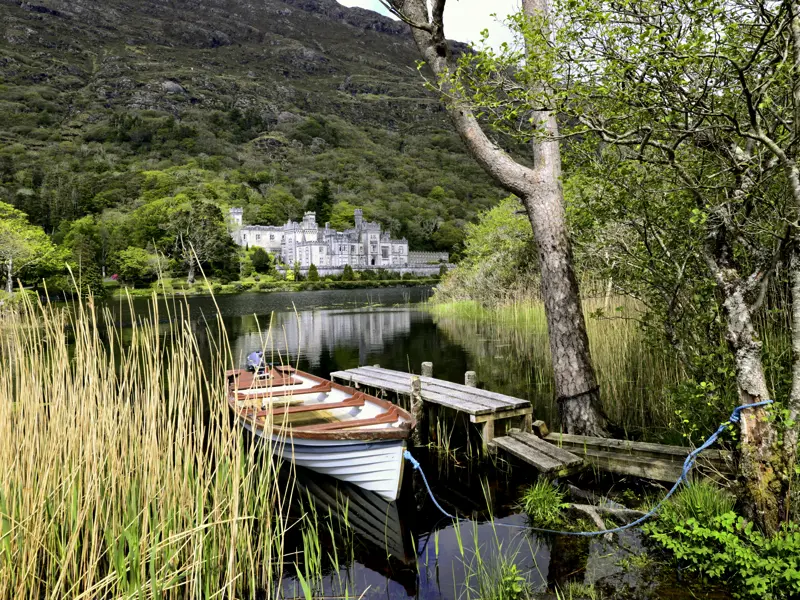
column 388, row 417
column 242, row 379
column 389, row 433
column 269, row 393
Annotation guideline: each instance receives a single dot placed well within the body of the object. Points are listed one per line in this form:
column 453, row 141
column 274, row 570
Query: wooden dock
column 496, row 412
column 507, row 423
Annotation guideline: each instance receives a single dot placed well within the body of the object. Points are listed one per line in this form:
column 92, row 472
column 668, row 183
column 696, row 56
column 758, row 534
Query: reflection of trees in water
column 516, row 361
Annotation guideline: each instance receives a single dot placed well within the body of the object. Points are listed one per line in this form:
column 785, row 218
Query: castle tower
column 236, row 216
column 359, row 217
column 310, row 220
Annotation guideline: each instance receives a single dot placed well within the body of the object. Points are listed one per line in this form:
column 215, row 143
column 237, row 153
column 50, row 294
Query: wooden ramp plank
column 543, row 462
column 560, row 454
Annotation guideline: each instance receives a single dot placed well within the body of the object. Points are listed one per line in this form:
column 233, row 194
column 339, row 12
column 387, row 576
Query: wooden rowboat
column 324, row 426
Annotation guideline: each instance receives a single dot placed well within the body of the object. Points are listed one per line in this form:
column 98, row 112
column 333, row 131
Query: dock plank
column 566, row 458
column 463, row 395
column 661, row 451
column 638, row 466
column 542, row 462
column 404, row 388
column 499, row 399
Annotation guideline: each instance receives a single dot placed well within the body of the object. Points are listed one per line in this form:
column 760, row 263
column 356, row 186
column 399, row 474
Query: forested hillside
column 121, row 119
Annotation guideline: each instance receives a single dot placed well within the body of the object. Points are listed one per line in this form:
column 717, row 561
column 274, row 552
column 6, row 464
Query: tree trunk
column 577, row 392
column 541, row 193
column 9, row 276
column 757, row 458
column 192, row 271
column 790, row 436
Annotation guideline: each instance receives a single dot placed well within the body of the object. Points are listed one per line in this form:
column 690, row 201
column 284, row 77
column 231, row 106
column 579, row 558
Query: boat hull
column 376, row 466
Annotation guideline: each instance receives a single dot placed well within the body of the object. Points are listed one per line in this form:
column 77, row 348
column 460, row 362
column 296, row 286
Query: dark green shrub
column 262, row 261
column 313, row 273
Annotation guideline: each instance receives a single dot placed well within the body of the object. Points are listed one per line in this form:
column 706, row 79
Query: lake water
column 406, row 549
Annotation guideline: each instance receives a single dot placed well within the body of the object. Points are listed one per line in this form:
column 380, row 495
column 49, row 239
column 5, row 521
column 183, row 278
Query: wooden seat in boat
column 352, row 402
column 258, row 402
column 270, row 392
column 389, row 416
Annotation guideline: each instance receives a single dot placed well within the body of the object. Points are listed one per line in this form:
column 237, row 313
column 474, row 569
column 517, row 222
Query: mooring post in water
column 471, row 379
column 417, row 410
column 427, row 369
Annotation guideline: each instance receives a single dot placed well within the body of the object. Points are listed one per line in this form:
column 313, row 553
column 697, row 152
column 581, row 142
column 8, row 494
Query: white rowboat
column 323, row 426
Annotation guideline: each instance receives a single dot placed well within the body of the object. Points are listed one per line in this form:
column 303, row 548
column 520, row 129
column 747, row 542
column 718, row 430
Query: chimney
column 359, row 217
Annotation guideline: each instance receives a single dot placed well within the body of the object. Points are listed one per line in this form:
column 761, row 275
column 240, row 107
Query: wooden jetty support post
column 496, row 413
column 471, row 379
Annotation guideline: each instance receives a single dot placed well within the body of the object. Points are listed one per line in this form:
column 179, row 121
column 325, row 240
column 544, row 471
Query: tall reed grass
column 121, row 473
column 511, row 350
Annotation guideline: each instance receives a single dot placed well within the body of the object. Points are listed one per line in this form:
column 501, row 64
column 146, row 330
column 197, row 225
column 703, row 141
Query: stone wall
column 427, row 258
column 418, row 270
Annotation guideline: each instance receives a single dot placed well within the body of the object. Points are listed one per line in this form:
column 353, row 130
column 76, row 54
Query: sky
column 464, row 19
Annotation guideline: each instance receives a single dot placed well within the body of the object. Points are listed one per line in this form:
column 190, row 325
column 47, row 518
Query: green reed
column 122, row 474
column 511, row 352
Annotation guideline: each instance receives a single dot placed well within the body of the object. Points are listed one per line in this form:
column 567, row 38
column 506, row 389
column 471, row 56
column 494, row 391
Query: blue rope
column 687, row 466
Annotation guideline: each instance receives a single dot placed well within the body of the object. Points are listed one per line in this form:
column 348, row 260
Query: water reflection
column 403, row 550
column 314, row 335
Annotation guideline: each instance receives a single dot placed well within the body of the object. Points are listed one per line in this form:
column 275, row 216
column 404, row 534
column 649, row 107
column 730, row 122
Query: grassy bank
column 239, row 287
column 122, row 475
column 632, row 374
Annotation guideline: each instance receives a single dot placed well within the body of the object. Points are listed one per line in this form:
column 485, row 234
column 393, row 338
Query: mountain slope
column 246, row 102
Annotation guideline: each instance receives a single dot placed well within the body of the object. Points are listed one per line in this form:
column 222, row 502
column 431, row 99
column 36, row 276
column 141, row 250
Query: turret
column 309, row 220
column 236, row 216
column 359, row 217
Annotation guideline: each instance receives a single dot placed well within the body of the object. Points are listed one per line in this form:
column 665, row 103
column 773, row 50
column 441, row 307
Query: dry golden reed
column 121, row 473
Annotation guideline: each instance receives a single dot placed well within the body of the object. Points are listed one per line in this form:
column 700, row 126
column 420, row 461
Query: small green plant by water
column 544, row 504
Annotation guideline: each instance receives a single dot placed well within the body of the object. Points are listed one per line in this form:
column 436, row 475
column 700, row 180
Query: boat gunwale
column 258, row 423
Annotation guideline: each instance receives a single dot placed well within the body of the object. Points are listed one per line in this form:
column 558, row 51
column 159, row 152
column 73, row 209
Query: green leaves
column 22, row 245
column 728, row 550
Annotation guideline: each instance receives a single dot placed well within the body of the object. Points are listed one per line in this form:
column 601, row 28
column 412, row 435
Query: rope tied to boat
column 690, row 461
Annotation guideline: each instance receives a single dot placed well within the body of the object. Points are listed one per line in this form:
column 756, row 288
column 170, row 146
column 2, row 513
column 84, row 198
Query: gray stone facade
column 306, row 243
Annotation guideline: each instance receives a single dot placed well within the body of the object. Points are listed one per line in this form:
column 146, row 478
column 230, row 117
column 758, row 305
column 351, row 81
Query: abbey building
column 307, row 243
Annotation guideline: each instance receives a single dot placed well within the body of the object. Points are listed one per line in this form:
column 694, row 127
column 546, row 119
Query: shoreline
column 238, row 287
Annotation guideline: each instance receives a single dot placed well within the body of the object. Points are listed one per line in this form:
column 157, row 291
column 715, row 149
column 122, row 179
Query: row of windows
column 258, row 237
